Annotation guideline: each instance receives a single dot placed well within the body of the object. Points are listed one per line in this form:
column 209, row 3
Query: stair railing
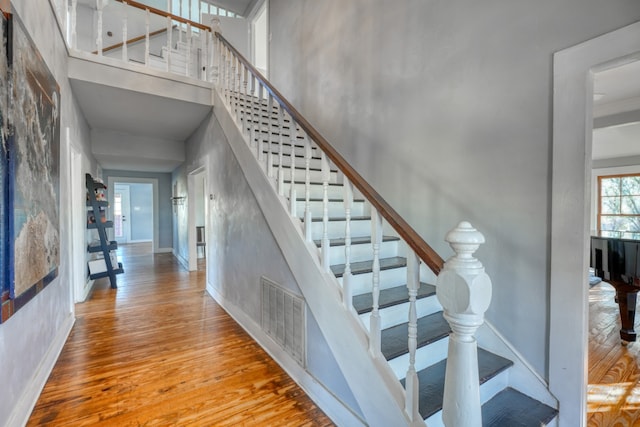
column 184, row 50
column 463, row 287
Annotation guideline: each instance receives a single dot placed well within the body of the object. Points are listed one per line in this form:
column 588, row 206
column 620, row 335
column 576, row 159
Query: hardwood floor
column 613, row 397
column 159, row 351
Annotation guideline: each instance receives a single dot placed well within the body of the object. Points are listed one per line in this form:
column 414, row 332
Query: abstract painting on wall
column 32, row 172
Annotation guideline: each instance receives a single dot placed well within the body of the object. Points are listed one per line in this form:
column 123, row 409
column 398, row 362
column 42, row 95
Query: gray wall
column 452, row 102
column 238, row 239
column 29, row 336
column 165, row 219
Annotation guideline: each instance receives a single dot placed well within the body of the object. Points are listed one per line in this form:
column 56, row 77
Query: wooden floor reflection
column 158, row 351
column 613, row 397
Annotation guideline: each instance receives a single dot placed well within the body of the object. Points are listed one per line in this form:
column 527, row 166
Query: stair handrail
column 165, row 14
column 422, row 249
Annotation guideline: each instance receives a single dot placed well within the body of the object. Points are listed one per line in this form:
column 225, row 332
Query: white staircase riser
column 362, row 252
column 361, row 283
column 336, row 209
column 315, row 190
column 425, row 356
column 359, row 228
column 397, row 314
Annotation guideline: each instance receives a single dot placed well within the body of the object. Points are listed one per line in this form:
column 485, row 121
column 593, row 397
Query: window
column 619, row 206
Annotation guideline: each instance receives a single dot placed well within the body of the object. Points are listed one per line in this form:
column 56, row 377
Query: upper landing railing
column 144, row 35
column 271, row 125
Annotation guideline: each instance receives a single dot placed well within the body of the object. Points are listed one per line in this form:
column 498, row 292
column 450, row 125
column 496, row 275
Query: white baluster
column 237, row 90
column 307, row 189
column 376, row 240
column 464, row 290
column 259, row 124
column 199, row 11
column 280, row 153
column 202, row 71
column 326, row 247
column 100, row 5
column 146, row 37
column 347, row 292
column 292, row 176
column 169, row 42
column 411, row 381
column 253, row 135
column 270, row 159
column 189, row 35
column 125, row 54
column 74, row 23
column 245, row 102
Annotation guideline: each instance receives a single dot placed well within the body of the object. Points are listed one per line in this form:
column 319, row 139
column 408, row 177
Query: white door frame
column 570, row 211
column 126, row 226
column 111, row 181
column 191, row 213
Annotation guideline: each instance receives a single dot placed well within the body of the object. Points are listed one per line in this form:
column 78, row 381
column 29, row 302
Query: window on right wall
column 619, row 206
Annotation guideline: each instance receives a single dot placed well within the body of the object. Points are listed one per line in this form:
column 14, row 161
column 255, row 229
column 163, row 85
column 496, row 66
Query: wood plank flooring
column 613, row 396
column 159, row 351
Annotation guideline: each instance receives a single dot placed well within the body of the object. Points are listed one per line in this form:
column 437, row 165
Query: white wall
column 451, row 102
column 238, row 238
column 30, row 340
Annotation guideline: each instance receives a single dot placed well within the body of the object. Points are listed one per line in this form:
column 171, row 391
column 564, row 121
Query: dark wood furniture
column 617, row 261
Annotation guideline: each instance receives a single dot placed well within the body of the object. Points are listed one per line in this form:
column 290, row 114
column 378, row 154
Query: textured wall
column 241, row 248
column 28, row 336
column 451, row 102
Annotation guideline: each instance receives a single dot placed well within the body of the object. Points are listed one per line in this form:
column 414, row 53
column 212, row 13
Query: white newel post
column 464, row 290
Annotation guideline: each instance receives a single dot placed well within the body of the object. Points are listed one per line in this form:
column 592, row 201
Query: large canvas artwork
column 32, row 172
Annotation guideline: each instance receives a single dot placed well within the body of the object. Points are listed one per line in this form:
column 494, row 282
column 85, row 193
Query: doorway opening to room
column 197, row 219
column 573, row 95
column 260, row 39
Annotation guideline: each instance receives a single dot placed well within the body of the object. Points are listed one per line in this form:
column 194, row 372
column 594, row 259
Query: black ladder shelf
column 96, row 220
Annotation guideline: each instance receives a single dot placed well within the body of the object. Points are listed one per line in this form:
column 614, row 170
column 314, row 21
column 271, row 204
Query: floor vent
column 284, row 319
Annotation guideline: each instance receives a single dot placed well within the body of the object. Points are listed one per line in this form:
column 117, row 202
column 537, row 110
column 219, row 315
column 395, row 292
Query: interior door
column 121, row 213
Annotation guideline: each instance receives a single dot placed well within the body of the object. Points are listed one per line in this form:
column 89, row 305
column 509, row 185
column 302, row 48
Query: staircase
column 372, row 266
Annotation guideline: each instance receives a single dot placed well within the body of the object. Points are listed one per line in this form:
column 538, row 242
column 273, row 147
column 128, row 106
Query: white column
column 374, row 320
column 411, row 381
column 326, row 246
column 146, row 37
column 464, row 290
column 74, row 23
column 169, row 41
column 347, row 291
column 100, row 5
column 125, row 55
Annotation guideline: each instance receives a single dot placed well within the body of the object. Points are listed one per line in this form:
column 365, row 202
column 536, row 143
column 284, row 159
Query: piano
column 617, row 262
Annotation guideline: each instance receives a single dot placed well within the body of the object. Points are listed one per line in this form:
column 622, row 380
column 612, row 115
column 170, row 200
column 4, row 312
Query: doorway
column 197, row 219
column 260, row 39
column 570, row 210
column 121, row 213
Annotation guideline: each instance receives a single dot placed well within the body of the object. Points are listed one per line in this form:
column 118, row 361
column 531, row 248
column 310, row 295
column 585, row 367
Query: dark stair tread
column 341, row 218
column 514, row 409
column 362, row 267
column 431, row 328
column 390, row 297
column 300, row 156
column 356, row 241
column 431, row 381
column 335, row 184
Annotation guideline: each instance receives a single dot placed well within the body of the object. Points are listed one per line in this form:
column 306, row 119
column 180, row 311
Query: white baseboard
column 22, row 411
column 183, row 262
column 88, row 287
column 164, row 250
column 140, row 241
column 333, row 407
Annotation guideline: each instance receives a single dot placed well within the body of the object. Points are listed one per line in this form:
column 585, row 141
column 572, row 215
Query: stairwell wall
column 241, row 248
column 451, row 102
column 31, row 339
